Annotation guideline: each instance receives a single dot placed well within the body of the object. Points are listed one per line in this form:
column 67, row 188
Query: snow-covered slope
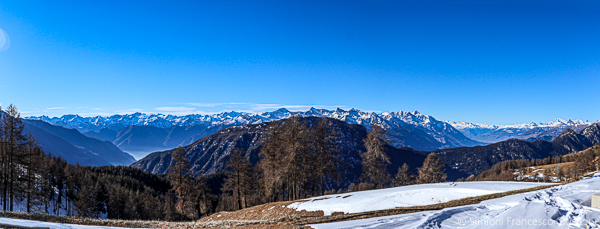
column 406, row 196
column 565, row 206
column 527, row 131
column 406, row 129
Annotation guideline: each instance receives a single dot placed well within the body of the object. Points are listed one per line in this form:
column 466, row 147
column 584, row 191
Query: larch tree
column 32, row 165
column 326, row 158
column 14, row 143
column 296, row 160
column 240, row 180
column 179, row 175
column 403, row 177
column 295, row 156
column 271, row 164
column 432, row 170
column 204, row 196
column 375, row 159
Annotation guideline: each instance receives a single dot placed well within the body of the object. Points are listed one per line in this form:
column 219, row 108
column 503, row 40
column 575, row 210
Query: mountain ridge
column 474, row 160
column 527, row 131
column 210, row 154
column 406, row 129
column 74, row 146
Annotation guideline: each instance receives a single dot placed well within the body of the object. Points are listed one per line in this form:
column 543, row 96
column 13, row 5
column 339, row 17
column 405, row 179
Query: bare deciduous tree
column 375, row 159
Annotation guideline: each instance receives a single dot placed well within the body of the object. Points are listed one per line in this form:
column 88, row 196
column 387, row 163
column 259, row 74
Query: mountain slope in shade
column 210, row 154
column 55, row 145
column 529, row 131
column 142, row 133
column 76, row 147
column 474, row 160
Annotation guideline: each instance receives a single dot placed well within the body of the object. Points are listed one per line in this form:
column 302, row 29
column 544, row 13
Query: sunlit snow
column 565, row 206
column 406, row 196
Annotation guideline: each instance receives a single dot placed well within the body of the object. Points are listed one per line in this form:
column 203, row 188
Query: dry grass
column 281, row 222
column 80, row 221
column 271, row 211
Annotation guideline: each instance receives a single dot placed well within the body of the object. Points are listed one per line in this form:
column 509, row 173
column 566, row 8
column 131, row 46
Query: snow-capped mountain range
column 527, row 131
column 406, row 129
column 140, row 134
column 353, row 116
column 554, row 123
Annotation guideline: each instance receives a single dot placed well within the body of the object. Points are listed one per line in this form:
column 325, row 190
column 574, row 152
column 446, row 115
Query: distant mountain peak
column 567, row 132
column 339, row 110
column 282, row 110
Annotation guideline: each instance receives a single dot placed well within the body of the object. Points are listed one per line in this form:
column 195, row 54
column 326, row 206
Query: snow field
column 565, row 206
column 406, row 196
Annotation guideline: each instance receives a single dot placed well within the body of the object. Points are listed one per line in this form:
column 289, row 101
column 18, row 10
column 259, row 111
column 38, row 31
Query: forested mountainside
column 142, row 133
column 474, row 160
column 210, row 154
column 567, row 167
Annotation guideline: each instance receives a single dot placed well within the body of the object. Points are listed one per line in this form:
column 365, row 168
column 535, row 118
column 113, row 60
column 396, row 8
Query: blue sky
column 497, row 62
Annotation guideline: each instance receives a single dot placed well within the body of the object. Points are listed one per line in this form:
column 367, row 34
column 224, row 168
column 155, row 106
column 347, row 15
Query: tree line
column 299, row 159
column 585, row 161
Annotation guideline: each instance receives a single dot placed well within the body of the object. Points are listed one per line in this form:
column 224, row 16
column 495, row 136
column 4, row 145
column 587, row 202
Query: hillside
column 75, row 147
column 566, row 167
column 405, row 196
column 369, row 204
column 474, row 160
column 564, row 206
column 209, row 154
column 58, row 146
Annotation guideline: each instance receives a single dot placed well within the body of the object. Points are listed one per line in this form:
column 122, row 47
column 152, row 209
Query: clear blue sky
column 497, row 62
